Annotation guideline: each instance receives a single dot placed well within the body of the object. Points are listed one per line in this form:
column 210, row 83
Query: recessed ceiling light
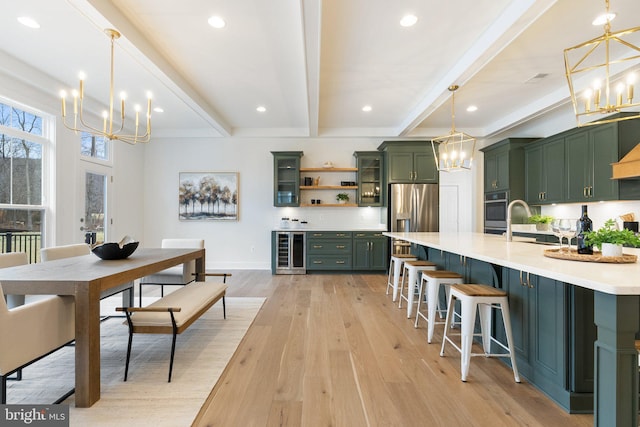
column 472, row 108
column 366, row 108
column 28, row 22
column 408, row 20
column 261, row 109
column 217, row 22
column 158, row 110
column 602, row 19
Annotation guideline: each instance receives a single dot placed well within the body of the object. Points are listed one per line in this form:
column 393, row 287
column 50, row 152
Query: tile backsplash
column 599, row 212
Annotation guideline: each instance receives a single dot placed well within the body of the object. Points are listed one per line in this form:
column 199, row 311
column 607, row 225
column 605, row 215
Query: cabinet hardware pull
column 529, row 281
column 317, row 234
column 584, row 192
column 339, row 262
column 521, row 282
column 317, row 246
column 360, row 235
column 590, row 191
column 317, row 262
column 339, row 246
column 340, row 234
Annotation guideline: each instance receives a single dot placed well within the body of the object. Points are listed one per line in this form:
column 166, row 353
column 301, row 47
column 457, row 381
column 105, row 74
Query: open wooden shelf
column 329, row 205
column 328, row 169
column 328, row 187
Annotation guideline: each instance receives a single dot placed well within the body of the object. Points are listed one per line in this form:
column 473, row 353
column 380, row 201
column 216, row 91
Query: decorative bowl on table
column 116, row 250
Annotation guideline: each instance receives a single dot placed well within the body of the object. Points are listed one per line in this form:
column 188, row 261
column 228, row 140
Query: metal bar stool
column 395, row 268
column 412, row 270
column 480, row 298
column 433, row 280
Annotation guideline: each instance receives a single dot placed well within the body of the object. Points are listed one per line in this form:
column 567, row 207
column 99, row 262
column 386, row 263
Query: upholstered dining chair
column 66, row 251
column 79, row 249
column 33, row 330
column 13, row 259
column 179, row 275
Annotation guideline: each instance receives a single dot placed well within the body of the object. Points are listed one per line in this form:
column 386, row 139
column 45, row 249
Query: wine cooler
column 291, row 252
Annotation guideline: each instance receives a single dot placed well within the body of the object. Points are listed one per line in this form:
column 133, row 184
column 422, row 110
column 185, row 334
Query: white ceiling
column 313, row 64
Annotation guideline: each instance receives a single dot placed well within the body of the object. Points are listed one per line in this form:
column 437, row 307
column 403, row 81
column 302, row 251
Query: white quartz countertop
column 617, row 279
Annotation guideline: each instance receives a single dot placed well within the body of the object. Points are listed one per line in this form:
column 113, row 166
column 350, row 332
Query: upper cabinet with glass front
column 370, row 178
column 286, row 178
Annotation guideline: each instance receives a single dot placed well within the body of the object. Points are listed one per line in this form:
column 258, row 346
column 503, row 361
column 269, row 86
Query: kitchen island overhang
column 616, row 309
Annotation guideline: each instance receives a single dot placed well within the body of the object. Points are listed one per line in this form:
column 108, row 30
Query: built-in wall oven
column 495, row 212
column 290, row 258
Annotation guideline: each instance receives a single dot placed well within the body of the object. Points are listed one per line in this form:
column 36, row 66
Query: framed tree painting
column 208, row 196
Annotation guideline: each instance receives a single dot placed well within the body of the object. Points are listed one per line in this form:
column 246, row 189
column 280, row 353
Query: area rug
column 146, row 399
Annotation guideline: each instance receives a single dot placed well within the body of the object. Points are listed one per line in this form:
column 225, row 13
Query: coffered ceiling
column 313, row 64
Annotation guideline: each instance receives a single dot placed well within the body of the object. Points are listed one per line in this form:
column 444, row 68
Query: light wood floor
column 332, row 350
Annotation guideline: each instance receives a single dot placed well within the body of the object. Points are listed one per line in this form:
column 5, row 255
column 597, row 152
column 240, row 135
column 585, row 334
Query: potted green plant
column 342, row 197
column 542, row 222
column 609, row 239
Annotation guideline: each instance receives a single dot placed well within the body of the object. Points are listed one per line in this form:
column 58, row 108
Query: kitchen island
column 615, row 311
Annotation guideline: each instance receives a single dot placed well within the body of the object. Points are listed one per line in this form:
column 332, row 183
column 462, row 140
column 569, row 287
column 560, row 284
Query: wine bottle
column 584, row 224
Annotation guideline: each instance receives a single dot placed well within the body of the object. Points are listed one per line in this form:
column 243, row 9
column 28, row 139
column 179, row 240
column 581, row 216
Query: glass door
column 94, row 215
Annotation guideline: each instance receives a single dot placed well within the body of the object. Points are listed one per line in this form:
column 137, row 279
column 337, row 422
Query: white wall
column 245, row 244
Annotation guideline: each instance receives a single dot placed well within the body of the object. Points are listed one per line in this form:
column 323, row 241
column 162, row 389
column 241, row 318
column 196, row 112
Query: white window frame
column 46, row 140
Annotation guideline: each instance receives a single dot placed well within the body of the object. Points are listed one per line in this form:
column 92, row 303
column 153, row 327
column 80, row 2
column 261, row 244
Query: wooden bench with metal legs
column 174, row 313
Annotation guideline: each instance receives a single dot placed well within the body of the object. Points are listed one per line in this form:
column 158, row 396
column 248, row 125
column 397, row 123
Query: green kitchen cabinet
column 540, row 319
column 371, row 185
column 286, row 178
column 409, row 162
column 545, row 171
column 575, row 166
column 438, row 257
column 496, row 170
column 329, row 250
column 589, row 154
column 471, row 270
column 504, row 166
column 370, row 251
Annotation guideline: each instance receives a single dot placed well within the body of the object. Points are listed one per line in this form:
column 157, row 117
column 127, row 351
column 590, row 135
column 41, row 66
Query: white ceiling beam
column 497, row 37
column 312, row 27
column 103, row 12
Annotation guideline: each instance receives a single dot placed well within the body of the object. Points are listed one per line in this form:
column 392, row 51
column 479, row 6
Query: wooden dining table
column 85, row 278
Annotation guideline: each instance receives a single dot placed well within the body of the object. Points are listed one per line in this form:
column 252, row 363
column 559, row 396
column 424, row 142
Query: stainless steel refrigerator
column 411, row 207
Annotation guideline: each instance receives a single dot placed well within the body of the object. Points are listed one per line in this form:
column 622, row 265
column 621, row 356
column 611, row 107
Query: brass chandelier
column 107, row 131
column 601, row 75
column 453, row 151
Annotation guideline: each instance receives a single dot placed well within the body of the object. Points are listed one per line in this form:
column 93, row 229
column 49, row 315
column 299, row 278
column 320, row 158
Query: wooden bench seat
column 173, row 313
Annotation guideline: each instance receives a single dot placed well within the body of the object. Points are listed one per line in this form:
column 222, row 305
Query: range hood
column 628, row 166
